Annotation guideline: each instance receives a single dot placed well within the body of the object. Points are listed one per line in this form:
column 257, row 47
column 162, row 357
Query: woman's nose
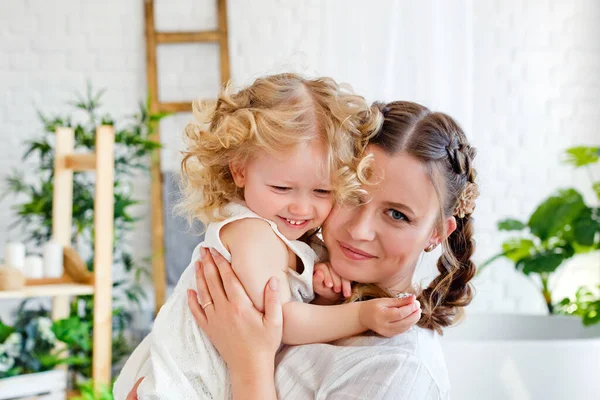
column 360, row 227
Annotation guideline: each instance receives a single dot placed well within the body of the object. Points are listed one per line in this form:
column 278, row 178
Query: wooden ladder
column 153, row 39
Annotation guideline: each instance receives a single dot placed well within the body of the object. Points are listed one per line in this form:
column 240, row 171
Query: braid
column 436, row 140
column 443, row 300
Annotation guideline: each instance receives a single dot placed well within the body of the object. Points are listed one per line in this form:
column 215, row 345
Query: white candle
column 53, row 260
column 34, row 267
column 14, row 255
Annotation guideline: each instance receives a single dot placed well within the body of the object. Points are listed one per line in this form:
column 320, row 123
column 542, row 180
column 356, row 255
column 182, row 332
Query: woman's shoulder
column 410, row 365
column 418, row 349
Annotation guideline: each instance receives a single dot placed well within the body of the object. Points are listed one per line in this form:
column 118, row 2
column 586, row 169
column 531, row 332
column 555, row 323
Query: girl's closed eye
column 397, row 215
column 281, row 189
column 322, row 192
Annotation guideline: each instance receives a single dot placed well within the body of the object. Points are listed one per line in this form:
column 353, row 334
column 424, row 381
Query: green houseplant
column 133, row 148
column 29, row 346
column 562, row 226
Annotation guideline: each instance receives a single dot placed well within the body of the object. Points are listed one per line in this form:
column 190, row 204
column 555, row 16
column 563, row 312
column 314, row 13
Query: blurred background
column 522, row 78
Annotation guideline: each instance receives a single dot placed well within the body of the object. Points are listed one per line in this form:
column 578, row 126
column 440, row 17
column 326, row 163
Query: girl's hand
column 388, row 316
column 244, row 337
column 328, row 284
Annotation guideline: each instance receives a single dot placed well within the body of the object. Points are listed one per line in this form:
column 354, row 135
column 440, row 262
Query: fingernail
column 329, row 284
column 213, row 252
column 274, row 283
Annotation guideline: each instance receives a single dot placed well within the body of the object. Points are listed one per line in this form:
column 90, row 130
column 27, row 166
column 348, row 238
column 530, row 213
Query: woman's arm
column 245, row 338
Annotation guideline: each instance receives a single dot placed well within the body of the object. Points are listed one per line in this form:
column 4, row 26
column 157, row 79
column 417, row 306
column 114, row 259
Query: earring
column 430, row 248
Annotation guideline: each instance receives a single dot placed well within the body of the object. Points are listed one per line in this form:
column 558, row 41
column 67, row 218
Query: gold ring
column 206, row 305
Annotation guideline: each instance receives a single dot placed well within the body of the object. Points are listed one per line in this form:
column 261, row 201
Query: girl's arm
column 258, row 254
column 310, row 323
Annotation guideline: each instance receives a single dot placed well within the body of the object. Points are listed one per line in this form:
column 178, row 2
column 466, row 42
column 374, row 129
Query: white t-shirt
column 182, row 363
column 409, row 366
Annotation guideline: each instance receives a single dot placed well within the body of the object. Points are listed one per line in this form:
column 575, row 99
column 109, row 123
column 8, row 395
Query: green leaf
column 555, row 213
column 541, row 262
column 5, row 331
column 517, row 249
column 510, row 224
column 582, row 155
column 585, row 228
column 596, row 187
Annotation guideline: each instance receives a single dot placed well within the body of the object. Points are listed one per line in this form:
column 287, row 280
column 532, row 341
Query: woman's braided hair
column 438, row 141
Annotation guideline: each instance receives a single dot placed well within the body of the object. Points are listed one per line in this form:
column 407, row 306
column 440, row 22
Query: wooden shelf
column 64, row 289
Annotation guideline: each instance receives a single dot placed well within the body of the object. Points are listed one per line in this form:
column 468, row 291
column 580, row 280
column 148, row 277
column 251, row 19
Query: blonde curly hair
column 273, row 114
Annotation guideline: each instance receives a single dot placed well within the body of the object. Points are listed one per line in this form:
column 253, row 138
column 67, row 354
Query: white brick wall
column 536, row 90
column 520, row 75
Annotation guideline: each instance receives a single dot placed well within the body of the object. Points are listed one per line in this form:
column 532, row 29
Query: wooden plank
column 184, row 106
column 49, row 383
column 81, row 162
column 49, row 281
column 156, row 201
column 65, row 289
column 159, row 275
column 187, row 37
column 103, row 254
column 62, row 196
column 151, row 75
column 223, row 41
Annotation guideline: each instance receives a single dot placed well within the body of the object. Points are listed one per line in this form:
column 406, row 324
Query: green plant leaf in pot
column 582, row 155
column 517, row 249
column 545, row 261
column 585, row 227
column 555, row 213
column 596, row 187
column 5, row 331
column 510, row 224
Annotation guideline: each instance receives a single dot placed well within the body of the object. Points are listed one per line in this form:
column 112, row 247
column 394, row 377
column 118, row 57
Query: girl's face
column 379, row 242
column 291, row 188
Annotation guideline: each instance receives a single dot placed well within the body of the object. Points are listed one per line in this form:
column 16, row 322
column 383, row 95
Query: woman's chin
column 353, row 273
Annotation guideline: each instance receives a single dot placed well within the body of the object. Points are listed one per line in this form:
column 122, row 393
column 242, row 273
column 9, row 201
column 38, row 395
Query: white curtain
column 386, row 49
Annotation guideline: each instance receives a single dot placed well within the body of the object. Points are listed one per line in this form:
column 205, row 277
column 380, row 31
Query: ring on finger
column 206, row 305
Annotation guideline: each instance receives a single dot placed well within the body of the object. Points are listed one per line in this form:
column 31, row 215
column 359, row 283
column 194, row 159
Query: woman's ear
column 238, row 172
column 438, row 237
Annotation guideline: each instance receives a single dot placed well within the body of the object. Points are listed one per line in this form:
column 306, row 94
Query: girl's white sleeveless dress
column 177, row 360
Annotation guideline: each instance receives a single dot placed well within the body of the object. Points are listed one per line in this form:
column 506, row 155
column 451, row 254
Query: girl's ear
column 238, row 172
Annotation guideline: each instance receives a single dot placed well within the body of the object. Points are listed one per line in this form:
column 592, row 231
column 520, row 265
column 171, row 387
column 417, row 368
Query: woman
column 423, row 196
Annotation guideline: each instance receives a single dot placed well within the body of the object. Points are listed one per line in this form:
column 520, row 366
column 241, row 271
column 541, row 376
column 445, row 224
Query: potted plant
column 133, row 148
column 538, row 356
column 29, row 356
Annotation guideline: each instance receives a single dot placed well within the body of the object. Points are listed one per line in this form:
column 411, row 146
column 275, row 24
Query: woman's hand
column 328, row 284
column 390, row 317
column 133, row 394
column 245, row 338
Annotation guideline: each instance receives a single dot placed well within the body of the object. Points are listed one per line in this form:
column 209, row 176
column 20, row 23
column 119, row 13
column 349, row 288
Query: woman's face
column 379, row 242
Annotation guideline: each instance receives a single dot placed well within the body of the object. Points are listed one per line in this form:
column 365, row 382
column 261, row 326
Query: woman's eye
column 281, row 188
column 396, row 215
column 323, row 192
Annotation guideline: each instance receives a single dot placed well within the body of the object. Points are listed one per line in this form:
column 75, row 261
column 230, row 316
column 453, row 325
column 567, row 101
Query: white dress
column 177, row 360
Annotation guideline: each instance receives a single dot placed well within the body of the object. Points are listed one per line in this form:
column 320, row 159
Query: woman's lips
column 355, row 254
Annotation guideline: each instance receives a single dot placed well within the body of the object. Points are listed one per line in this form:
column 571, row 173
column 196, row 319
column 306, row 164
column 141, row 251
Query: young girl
column 263, row 175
